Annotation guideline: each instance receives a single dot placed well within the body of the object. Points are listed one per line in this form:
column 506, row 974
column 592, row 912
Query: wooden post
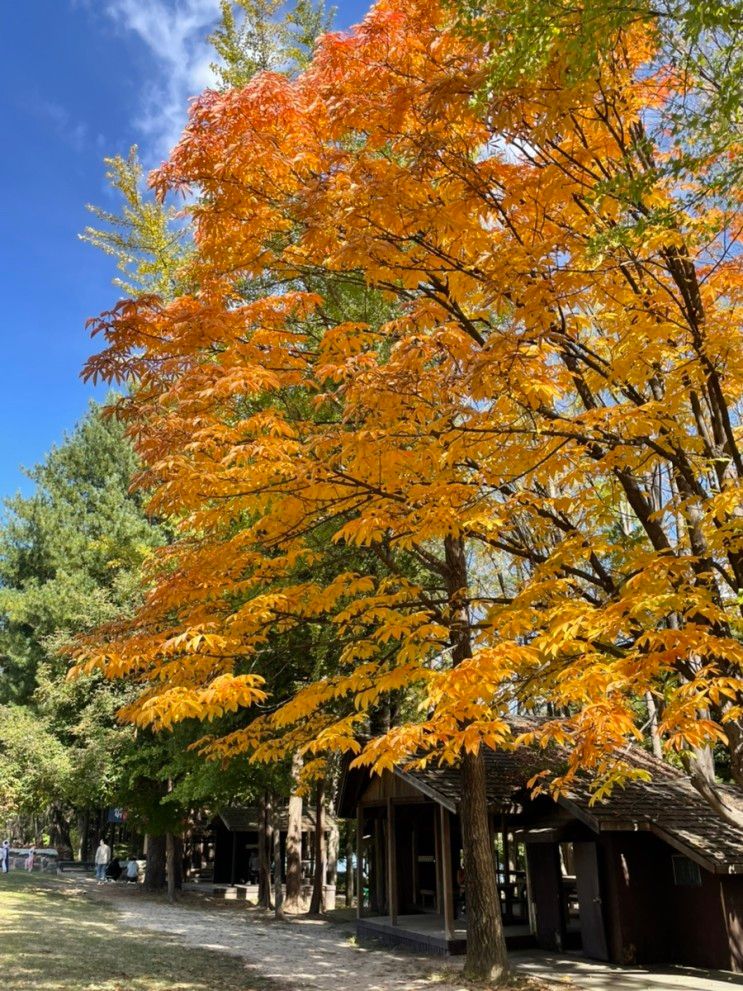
column 506, row 870
column 359, row 860
column 446, row 872
column 414, row 871
column 437, row 855
column 391, row 864
column 379, row 884
column 349, row 869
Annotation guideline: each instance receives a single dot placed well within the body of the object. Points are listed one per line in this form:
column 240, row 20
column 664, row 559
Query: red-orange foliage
column 555, row 407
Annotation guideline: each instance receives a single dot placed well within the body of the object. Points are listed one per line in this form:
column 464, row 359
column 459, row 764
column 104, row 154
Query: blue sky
column 79, row 79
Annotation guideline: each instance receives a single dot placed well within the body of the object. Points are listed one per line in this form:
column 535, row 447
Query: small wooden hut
column 649, row 876
column 236, row 833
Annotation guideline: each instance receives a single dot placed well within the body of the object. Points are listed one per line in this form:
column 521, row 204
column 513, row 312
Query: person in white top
column 102, row 857
column 5, row 857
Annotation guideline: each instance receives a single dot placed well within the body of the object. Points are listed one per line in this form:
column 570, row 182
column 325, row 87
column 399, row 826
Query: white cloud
column 174, row 32
column 73, row 132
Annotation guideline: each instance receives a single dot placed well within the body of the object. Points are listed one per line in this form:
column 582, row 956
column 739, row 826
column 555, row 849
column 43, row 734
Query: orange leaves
column 420, row 319
column 161, row 708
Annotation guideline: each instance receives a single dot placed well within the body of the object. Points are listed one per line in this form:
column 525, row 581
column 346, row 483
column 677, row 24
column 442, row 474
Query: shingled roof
column 245, row 819
column 667, row 805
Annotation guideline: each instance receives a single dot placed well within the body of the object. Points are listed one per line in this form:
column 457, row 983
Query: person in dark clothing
column 113, row 871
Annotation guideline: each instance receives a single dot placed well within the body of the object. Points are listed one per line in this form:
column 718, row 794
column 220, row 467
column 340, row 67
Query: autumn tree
column 547, row 425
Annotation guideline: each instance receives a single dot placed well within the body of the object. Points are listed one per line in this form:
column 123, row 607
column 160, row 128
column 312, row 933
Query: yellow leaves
column 726, row 504
column 529, row 391
column 682, row 731
column 192, row 641
column 339, row 736
column 619, row 775
column 362, row 532
column 161, row 709
column 401, row 676
column 686, row 718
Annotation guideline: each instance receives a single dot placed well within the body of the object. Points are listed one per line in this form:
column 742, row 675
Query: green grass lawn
column 54, row 937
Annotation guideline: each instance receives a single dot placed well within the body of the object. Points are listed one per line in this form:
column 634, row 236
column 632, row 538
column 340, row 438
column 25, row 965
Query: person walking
column 102, row 857
column 30, row 858
column 5, row 857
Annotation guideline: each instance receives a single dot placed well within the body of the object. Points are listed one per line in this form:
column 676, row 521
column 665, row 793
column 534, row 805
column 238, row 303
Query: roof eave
column 426, row 789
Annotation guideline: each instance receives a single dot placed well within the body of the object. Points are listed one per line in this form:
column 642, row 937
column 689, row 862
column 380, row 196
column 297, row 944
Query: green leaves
column 147, row 240
column 264, row 39
column 70, row 559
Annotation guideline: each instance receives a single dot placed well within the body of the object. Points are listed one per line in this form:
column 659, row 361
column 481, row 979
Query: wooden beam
column 446, row 872
column 437, row 855
column 359, row 860
column 391, row 863
column 414, row 866
column 379, row 887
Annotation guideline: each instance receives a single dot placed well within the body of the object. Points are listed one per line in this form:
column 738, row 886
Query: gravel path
column 313, row 955
column 300, row 954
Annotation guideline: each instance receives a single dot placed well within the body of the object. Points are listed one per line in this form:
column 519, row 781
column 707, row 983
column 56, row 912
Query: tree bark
column 178, row 871
column 83, row 825
column 278, row 896
column 154, row 875
column 487, row 959
column 653, row 720
column 61, row 838
column 170, row 868
column 294, row 842
column 317, row 903
column 265, row 833
column 333, row 845
column 700, row 767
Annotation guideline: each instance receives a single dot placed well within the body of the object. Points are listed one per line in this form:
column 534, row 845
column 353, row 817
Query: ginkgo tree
column 554, row 400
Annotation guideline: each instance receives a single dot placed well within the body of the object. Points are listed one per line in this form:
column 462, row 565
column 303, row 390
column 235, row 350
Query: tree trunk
column 61, row 838
column 701, row 770
column 487, row 959
column 278, row 891
column 264, row 853
column 154, row 875
column 178, row 871
column 170, row 868
column 734, row 732
column 83, row 825
column 653, row 720
column 333, row 845
column 318, row 886
column 294, row 842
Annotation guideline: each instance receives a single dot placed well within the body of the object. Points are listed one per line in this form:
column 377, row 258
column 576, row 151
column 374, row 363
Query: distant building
column 236, row 838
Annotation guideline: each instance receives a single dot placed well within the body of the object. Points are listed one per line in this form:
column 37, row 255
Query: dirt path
column 315, row 955
column 299, row 954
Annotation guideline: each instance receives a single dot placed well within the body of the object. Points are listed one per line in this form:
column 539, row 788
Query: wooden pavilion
column 652, row 875
column 236, row 837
